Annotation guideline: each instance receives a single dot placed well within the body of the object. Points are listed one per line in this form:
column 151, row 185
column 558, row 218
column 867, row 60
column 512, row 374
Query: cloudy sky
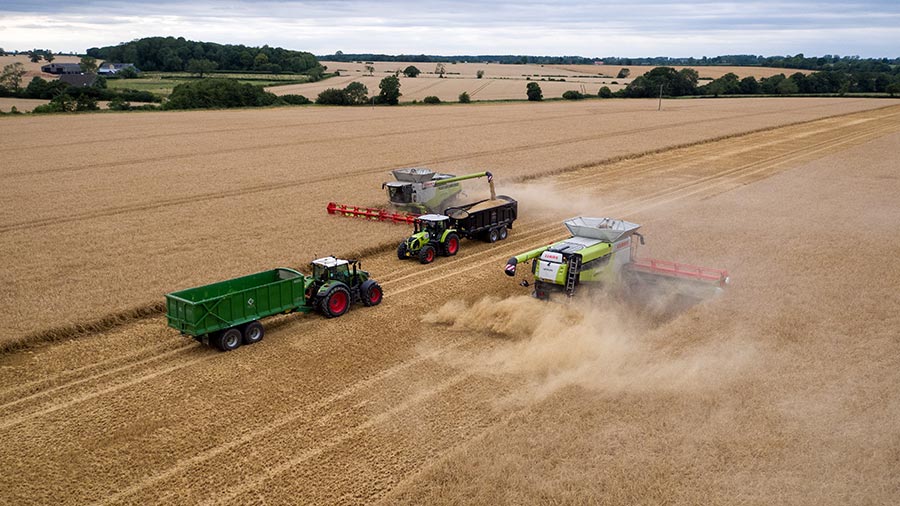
column 868, row 28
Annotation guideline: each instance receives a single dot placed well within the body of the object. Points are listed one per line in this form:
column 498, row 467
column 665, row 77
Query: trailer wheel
column 336, row 302
column 451, row 245
column 370, row 292
column 493, row 235
column 401, row 251
column 503, row 233
column 253, row 332
column 228, row 340
column 426, row 254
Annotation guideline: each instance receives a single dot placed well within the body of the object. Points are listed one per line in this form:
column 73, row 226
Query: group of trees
column 356, row 93
column 175, row 54
column 36, row 55
column 422, row 58
column 799, row 61
column 814, row 83
column 676, row 83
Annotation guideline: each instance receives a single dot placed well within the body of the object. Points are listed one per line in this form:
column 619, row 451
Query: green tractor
column 337, row 283
column 433, row 235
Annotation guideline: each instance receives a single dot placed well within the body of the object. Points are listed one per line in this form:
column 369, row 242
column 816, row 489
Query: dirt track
column 781, row 391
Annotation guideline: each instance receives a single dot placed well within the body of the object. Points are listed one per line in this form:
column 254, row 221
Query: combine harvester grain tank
column 602, row 252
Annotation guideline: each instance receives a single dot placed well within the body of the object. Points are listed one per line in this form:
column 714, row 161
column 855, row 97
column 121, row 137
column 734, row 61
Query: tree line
column 675, row 83
column 172, row 54
column 799, row 61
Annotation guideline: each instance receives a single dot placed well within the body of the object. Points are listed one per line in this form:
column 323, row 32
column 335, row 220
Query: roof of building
column 78, row 80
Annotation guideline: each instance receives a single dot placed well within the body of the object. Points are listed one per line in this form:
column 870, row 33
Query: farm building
column 62, row 68
column 79, row 80
column 112, row 68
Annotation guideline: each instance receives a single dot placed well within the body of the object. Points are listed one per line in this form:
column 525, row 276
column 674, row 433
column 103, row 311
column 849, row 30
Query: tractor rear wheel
column 228, row 340
column 253, row 332
column 451, row 245
column 401, row 251
column 426, row 254
column 503, row 233
column 336, row 302
column 370, row 292
column 493, row 235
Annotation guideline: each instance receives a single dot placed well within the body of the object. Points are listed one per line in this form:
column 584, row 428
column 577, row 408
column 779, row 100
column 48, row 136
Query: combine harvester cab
column 602, row 253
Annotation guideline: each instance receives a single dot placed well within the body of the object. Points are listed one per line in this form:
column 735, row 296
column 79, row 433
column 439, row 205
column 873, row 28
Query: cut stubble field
column 458, row 388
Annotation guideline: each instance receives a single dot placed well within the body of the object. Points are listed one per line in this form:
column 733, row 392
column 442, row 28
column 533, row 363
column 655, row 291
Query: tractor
column 336, row 283
column 433, row 234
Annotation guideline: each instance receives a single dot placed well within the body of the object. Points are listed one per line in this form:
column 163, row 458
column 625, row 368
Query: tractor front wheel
column 370, row 293
column 426, row 254
column 401, row 251
column 336, row 302
column 451, row 245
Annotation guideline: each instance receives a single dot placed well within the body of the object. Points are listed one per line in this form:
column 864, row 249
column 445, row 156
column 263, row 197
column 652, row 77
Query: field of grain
column 469, row 70
column 449, row 89
column 458, row 389
column 500, row 81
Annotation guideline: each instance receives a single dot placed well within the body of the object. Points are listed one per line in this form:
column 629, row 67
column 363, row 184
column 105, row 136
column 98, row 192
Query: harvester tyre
column 336, row 302
column 370, row 293
column 228, row 340
column 427, row 254
column 253, row 332
column 503, row 233
column 451, row 245
column 493, row 235
column 401, row 251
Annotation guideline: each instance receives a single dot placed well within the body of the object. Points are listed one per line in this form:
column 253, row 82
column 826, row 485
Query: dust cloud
column 597, row 343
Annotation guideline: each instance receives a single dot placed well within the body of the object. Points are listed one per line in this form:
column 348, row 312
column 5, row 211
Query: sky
column 629, row 28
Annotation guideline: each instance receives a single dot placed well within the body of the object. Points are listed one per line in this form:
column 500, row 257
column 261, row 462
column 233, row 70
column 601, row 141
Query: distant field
column 448, row 89
column 500, row 81
column 163, row 84
column 520, row 71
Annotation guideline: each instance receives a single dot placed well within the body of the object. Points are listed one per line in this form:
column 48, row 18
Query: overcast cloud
column 633, row 28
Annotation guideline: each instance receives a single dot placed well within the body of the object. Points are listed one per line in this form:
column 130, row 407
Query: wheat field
column 458, row 388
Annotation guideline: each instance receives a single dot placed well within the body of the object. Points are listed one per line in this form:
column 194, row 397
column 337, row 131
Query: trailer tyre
column 401, row 251
column 229, row 340
column 253, row 333
column 493, row 235
column 426, row 254
column 370, row 292
column 503, row 233
column 336, row 302
column 451, row 245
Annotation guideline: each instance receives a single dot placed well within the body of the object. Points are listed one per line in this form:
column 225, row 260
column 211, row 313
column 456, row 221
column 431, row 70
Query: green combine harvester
column 420, row 190
column 228, row 313
column 602, row 253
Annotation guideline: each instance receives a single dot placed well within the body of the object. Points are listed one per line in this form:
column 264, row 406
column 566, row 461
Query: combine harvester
column 420, row 190
column 602, row 253
column 416, row 191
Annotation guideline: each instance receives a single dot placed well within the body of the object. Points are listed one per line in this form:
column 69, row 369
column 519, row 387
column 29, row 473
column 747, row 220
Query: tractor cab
column 434, row 224
column 331, row 268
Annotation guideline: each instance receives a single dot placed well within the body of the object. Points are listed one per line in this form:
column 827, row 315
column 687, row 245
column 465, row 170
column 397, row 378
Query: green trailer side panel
column 210, row 308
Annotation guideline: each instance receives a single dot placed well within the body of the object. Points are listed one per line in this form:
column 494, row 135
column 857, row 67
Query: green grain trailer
column 226, row 314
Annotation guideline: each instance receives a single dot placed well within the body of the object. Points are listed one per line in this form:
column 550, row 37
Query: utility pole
column 659, row 107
